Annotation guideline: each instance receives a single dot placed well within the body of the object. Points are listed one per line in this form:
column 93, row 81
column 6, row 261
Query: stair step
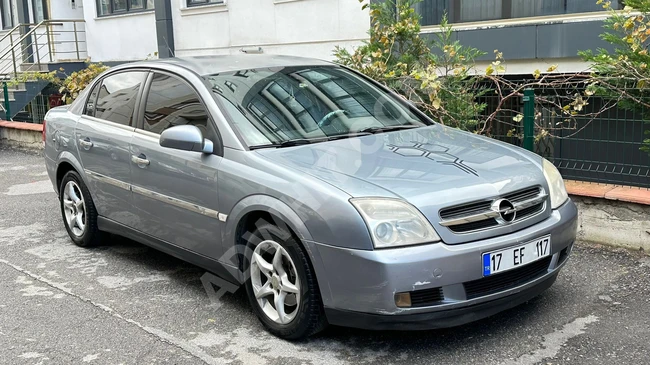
column 33, row 67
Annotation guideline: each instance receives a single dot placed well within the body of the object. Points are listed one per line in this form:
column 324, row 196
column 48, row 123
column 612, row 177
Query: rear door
column 174, row 191
column 102, row 135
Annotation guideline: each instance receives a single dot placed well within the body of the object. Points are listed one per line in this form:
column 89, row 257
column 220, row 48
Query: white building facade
column 296, row 27
column 531, row 33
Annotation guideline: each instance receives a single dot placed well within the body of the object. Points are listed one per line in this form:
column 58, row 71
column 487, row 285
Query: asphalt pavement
column 125, row 303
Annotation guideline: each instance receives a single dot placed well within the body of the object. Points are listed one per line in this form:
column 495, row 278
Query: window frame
column 454, row 13
column 194, row 4
column 11, row 14
column 129, row 10
column 136, row 106
column 142, row 106
column 46, row 13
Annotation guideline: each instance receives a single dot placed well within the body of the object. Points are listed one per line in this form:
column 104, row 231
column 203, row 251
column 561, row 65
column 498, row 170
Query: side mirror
column 186, row 138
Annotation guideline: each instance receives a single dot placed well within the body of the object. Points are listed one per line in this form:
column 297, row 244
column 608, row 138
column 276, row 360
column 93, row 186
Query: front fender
column 282, row 211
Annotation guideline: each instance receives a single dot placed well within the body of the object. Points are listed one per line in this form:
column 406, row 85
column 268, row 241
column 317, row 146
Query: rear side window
column 116, row 97
column 170, row 102
column 92, row 99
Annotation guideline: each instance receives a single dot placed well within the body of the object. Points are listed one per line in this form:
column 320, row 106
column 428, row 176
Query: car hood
column 412, row 164
column 431, row 167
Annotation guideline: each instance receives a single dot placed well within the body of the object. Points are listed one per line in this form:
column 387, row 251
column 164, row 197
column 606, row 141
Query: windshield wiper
column 303, row 141
column 389, row 128
column 289, row 143
column 348, row 135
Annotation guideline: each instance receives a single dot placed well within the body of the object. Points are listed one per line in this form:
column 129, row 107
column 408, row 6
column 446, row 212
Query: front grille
column 426, row 297
column 477, row 216
column 507, row 280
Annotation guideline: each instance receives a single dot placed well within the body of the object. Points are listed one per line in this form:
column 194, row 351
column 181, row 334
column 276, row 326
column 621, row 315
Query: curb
column 21, row 135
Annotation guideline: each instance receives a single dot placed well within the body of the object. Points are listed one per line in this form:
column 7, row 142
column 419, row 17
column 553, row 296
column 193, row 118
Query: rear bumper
column 439, row 319
column 358, row 287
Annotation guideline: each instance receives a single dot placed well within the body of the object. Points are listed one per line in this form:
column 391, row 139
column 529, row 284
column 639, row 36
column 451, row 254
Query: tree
column 434, row 75
column 624, row 75
column 440, row 76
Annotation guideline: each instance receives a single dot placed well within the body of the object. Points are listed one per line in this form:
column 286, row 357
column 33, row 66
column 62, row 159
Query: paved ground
column 125, row 303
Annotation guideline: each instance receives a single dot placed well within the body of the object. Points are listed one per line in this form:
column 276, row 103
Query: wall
column 21, row 135
column 64, row 47
column 310, row 28
column 124, row 37
column 533, row 43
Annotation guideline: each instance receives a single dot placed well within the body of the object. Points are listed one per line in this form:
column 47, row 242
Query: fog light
column 403, row 300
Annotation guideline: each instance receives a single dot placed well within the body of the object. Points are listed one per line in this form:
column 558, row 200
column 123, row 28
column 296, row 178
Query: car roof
column 209, row 65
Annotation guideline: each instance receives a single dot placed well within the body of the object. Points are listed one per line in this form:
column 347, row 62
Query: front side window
column 460, row 11
column 109, row 7
column 116, row 97
column 170, row 102
column 314, row 103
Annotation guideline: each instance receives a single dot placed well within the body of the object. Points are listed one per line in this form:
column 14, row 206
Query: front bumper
column 358, row 287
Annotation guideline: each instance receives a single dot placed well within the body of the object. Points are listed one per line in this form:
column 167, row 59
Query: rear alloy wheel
column 78, row 211
column 74, row 208
column 282, row 286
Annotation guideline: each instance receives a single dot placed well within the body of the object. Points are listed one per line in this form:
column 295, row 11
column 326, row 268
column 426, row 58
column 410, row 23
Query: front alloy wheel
column 282, row 286
column 275, row 283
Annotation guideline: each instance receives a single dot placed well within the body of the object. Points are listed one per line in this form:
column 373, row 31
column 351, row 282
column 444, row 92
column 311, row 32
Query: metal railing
column 27, row 47
column 602, row 149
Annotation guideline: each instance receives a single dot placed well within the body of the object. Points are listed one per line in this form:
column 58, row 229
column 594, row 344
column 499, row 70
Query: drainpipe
column 164, row 28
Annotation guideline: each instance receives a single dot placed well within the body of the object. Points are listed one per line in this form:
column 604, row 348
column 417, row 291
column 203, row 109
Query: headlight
column 394, row 223
column 555, row 185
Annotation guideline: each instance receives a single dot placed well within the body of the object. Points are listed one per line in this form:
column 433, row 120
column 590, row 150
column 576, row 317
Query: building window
column 6, row 7
column 39, row 7
column 460, row 11
column 112, row 7
column 203, row 2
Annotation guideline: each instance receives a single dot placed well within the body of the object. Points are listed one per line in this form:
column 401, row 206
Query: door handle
column 85, row 143
column 140, row 160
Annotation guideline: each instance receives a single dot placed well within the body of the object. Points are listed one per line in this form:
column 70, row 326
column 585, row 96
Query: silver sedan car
column 329, row 198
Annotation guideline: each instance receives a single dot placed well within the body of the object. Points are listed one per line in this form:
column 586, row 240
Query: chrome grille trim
column 481, row 211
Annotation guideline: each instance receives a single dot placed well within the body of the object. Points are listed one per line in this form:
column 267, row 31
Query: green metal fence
column 600, row 144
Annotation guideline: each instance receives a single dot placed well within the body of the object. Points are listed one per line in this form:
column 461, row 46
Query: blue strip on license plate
column 486, row 264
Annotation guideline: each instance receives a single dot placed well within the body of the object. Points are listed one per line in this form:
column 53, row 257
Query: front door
column 176, row 191
column 103, row 135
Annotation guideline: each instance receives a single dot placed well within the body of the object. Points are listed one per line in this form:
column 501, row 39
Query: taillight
column 43, row 130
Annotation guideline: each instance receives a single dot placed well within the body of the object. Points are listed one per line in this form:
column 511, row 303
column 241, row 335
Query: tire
column 90, row 235
column 309, row 317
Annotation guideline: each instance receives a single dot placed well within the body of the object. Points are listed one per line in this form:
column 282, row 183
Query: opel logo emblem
column 506, row 210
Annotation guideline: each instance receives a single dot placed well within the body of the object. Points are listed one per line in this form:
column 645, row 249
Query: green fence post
column 5, row 91
column 529, row 119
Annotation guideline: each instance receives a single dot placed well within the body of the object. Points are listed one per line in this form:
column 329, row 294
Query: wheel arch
column 255, row 206
column 247, row 211
column 67, row 162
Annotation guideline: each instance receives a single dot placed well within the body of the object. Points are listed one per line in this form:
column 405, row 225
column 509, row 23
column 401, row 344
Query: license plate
column 517, row 256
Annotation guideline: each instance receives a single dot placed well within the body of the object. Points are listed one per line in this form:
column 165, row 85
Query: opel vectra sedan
column 330, row 198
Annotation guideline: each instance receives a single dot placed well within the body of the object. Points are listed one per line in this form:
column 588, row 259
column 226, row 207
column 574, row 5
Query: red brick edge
column 21, row 125
column 606, row 191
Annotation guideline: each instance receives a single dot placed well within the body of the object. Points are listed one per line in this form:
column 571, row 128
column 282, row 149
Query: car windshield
column 283, row 106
